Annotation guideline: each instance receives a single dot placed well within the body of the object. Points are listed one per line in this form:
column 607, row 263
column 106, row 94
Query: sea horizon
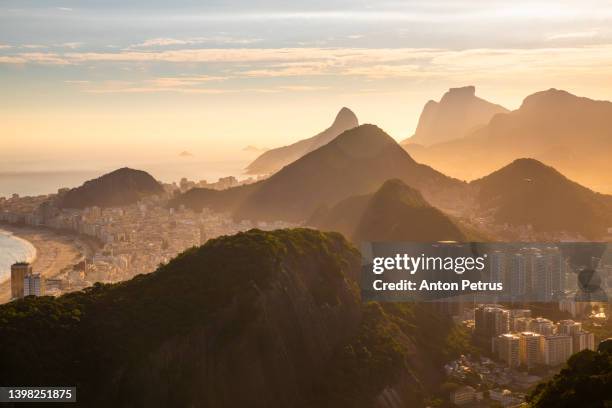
column 33, row 182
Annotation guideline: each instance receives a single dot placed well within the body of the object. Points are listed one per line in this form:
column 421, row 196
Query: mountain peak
column 273, row 160
column 354, row 163
column 398, row 212
column 123, row 186
column 346, row 118
column 524, row 169
column 366, row 140
column 461, row 92
column 458, row 112
column 528, row 163
column 528, row 192
column 122, row 171
column 548, row 97
column 401, row 191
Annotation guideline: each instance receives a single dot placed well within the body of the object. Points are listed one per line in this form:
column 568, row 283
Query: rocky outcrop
column 458, row 112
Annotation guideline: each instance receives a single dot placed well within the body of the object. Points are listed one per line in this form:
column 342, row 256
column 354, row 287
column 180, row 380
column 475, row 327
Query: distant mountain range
column 571, row 133
column 527, row 192
column 258, row 319
column 121, row 187
column 459, row 112
column 275, row 159
column 356, row 162
column 395, row 212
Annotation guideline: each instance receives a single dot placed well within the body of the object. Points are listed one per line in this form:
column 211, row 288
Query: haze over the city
column 142, row 81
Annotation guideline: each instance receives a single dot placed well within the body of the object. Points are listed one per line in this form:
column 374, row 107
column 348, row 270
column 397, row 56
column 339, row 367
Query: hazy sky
column 146, row 79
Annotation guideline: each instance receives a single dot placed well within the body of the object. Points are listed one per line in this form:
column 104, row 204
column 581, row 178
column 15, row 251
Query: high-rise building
column 559, row 270
column 569, row 327
column 521, row 324
column 520, row 313
column 542, row 278
column 19, row 271
column 34, row 284
column 529, row 349
column 491, row 321
column 556, row 349
column 516, row 276
column 507, row 346
column 498, row 266
column 583, row 340
column 542, row 326
column 576, row 309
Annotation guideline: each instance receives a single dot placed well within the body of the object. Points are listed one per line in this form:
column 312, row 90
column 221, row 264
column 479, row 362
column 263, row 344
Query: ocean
column 36, row 181
column 13, row 249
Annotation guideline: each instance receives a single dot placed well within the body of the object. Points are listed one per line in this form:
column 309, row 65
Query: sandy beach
column 55, row 251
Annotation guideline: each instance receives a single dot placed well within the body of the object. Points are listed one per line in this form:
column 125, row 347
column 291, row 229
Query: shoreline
column 54, row 251
column 33, row 251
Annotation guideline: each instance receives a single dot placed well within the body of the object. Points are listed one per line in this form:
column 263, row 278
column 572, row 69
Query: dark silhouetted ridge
column 356, row 162
column 121, row 187
column 527, row 192
column 395, row 212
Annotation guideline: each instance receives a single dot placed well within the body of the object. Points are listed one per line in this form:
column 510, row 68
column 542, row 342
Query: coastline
column 32, row 251
column 54, row 251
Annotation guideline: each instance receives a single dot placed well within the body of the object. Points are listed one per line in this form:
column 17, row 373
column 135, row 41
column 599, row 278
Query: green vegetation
column 397, row 345
column 204, row 330
column 586, row 381
column 458, row 342
column 87, row 338
column 395, row 212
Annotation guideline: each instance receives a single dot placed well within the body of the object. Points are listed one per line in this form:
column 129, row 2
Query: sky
column 90, row 81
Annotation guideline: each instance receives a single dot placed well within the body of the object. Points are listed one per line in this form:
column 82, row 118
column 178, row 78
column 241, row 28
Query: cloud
column 45, row 58
column 12, row 59
column 290, row 70
column 71, row 45
column 5, row 46
column 389, row 71
column 573, row 35
column 246, row 55
column 155, row 89
column 303, row 88
column 64, row 8
column 181, row 84
column 371, row 63
column 166, row 42
column 185, row 81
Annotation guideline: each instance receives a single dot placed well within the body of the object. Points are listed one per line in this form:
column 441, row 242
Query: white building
column 34, row 284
